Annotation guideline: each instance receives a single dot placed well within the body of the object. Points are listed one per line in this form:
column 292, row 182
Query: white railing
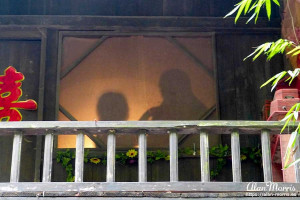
column 174, row 188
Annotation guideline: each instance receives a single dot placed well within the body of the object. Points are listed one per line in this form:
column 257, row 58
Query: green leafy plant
column 65, row 158
column 222, row 153
column 270, row 49
column 254, row 6
column 253, row 153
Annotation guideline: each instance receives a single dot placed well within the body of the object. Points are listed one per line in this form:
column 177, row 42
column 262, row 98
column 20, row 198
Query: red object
column 284, row 105
column 283, row 84
column 286, row 94
column 284, row 99
column 10, row 92
column 266, row 110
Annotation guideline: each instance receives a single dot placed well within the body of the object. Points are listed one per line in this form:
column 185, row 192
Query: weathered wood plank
column 91, row 188
column 50, row 75
column 204, row 157
column 38, row 157
column 48, row 151
column 173, row 139
column 150, row 8
column 164, row 196
column 58, row 72
column 43, row 36
column 266, row 155
column 236, row 161
column 96, row 22
column 16, row 158
column 95, row 34
column 111, row 153
column 23, row 35
column 297, row 156
column 152, row 127
column 142, row 157
column 40, row 116
column 79, row 159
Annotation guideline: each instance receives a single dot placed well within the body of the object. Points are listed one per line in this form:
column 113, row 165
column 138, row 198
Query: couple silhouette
column 179, row 101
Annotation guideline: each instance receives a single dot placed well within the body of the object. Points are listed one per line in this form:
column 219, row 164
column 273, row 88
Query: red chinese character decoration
column 10, row 92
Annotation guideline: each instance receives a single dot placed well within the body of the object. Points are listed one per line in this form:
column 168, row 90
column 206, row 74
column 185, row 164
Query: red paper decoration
column 10, row 92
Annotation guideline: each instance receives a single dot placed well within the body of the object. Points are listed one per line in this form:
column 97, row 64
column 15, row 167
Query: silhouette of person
column 179, row 101
column 112, row 106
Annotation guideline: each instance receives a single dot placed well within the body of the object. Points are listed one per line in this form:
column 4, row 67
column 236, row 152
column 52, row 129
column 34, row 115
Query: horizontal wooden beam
column 22, row 35
column 100, row 188
column 155, row 196
column 153, row 22
column 152, row 127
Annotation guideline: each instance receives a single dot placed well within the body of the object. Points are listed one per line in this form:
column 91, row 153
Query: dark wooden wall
column 215, row 8
column 24, row 55
column 238, row 82
column 240, row 96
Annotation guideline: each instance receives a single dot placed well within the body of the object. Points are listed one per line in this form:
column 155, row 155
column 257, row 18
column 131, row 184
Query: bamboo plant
column 270, row 49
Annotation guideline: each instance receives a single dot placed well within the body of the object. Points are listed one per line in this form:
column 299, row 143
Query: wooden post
column 236, row 157
column 79, row 159
column 142, row 157
column 173, row 156
column 204, row 157
column 16, row 158
column 111, row 154
column 266, row 155
column 47, row 167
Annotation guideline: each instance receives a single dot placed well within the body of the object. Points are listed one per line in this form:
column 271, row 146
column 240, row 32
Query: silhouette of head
column 112, row 107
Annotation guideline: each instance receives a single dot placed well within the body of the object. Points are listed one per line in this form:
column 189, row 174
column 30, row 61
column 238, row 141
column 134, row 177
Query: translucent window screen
column 137, row 78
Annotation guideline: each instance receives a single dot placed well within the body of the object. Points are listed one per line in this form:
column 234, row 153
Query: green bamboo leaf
column 253, row 6
column 233, row 10
column 292, row 164
column 265, row 47
column 296, row 53
column 287, row 119
column 257, row 9
column 251, row 18
column 268, row 81
column 243, row 4
column 247, row 6
column 255, row 51
column 294, row 74
column 276, row 2
column 290, row 146
column 297, row 108
column 286, row 44
column 278, row 79
column 274, row 49
column 295, row 115
column 268, row 8
column 290, row 110
column 293, row 50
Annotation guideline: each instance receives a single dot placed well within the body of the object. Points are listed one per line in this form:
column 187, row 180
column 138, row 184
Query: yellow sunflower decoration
column 95, row 160
column 131, row 153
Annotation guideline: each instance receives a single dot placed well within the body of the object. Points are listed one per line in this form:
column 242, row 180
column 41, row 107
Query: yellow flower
column 243, row 157
column 131, row 153
column 95, row 160
column 167, row 157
